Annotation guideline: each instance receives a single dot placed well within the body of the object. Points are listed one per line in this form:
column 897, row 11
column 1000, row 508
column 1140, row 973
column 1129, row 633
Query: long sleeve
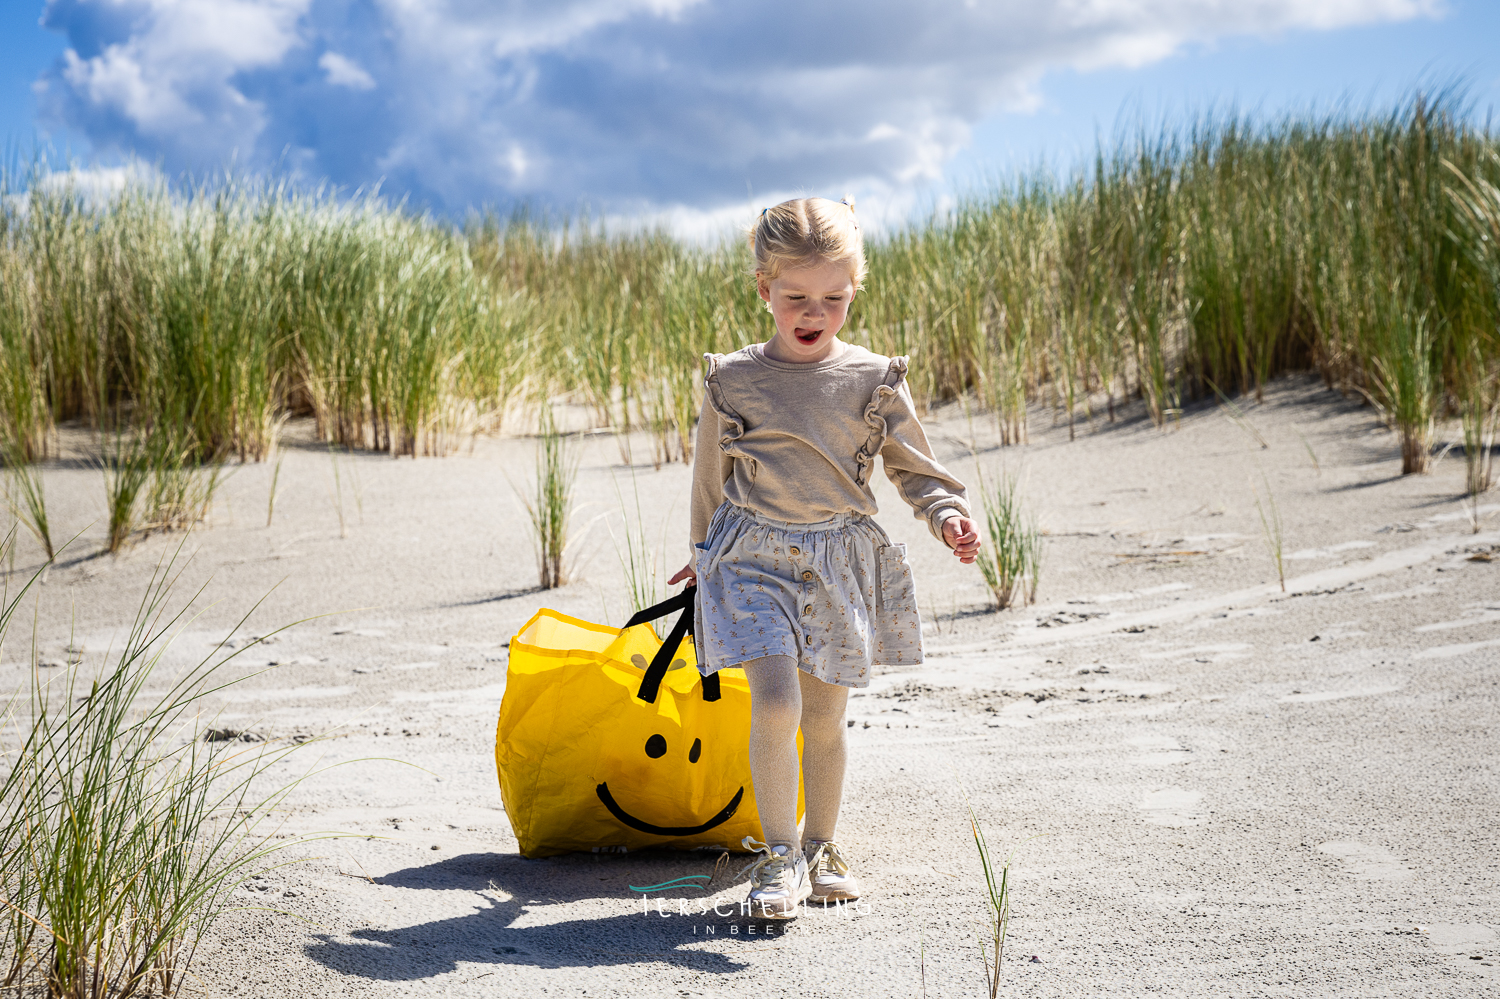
column 711, row 468
column 927, row 487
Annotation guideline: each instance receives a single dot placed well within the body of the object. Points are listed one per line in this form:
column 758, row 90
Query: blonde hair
column 808, row 231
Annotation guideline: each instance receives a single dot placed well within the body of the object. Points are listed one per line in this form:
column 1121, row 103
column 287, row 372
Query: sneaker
column 778, row 880
column 829, row 873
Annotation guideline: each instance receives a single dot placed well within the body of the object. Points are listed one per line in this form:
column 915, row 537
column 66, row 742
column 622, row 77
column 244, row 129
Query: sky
column 691, row 112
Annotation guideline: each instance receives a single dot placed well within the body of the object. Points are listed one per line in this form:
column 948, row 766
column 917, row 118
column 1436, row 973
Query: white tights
column 782, row 697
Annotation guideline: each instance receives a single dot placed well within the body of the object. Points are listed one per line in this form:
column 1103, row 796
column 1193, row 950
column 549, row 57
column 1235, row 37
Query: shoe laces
column 767, row 872
column 828, row 850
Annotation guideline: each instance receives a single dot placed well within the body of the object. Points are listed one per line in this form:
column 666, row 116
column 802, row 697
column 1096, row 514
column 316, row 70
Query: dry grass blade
column 643, row 565
column 271, row 496
column 997, row 901
column 1270, row 526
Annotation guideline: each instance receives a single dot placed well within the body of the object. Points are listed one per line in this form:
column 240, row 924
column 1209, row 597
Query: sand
column 1211, row 786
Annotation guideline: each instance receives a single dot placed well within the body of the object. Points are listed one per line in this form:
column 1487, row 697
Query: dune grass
column 122, row 833
column 549, row 505
column 1011, row 563
column 1183, row 262
column 26, row 494
column 1477, row 200
column 1271, row 530
column 997, row 900
column 126, row 466
column 273, row 492
column 643, row 564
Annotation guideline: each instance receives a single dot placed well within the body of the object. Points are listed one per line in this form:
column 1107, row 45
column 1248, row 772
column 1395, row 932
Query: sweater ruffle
column 887, row 389
column 732, row 424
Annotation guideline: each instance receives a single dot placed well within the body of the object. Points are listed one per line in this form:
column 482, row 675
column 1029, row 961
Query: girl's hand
column 687, row 573
column 963, row 537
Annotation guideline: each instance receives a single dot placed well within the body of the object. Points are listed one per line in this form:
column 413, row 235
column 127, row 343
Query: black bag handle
column 657, row 671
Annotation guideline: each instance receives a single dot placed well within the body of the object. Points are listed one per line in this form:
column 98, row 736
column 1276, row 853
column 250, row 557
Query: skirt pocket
column 898, row 626
column 700, row 570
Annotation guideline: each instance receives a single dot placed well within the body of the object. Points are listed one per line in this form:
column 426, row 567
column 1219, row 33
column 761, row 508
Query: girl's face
column 810, row 305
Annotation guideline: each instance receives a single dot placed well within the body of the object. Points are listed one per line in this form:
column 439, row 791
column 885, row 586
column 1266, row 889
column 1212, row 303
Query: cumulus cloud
column 644, row 106
column 344, row 72
column 159, row 76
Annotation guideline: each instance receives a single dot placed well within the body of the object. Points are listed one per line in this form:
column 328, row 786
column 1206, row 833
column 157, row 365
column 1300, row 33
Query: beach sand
column 1211, row 787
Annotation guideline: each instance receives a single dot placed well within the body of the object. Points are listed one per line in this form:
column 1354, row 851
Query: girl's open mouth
column 808, row 336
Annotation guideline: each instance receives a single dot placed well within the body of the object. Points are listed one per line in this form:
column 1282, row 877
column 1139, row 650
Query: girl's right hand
column 687, row 573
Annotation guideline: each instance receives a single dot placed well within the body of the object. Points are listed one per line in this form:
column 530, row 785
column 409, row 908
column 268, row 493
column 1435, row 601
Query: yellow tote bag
column 606, row 743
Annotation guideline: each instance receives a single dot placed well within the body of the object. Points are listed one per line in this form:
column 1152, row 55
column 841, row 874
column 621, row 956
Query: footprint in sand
column 1160, row 750
column 1337, row 695
column 1173, row 806
column 1488, row 614
column 1310, row 553
column 1202, row 653
column 1368, row 863
column 1461, row 938
column 1463, row 649
column 1150, row 591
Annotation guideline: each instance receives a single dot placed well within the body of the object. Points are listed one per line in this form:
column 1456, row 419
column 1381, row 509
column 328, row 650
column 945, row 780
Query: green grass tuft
column 122, row 833
column 550, row 506
column 1011, row 563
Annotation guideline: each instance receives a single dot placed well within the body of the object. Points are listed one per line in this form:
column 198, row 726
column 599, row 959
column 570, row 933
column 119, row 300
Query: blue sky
column 689, row 110
column 1366, row 66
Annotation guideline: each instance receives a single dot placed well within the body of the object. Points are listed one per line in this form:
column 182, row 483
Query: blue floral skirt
column 835, row 595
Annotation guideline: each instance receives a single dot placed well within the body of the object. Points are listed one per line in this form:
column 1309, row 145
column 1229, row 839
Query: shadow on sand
column 488, row 936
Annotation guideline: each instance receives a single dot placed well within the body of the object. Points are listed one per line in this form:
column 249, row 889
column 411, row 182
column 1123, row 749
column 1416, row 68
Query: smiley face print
column 585, row 764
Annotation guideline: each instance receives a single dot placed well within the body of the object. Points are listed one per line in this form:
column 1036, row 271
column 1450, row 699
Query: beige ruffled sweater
column 796, row 442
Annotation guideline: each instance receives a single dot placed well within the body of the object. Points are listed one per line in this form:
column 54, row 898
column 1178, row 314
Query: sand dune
column 1213, row 787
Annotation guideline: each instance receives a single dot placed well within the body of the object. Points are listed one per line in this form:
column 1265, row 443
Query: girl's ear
column 763, row 287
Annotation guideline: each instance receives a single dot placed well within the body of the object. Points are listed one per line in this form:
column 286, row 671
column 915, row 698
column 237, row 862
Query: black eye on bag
column 696, row 751
column 656, row 747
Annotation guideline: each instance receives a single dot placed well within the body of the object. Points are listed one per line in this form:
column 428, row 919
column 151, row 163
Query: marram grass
column 1011, row 561
column 1220, row 253
column 123, row 833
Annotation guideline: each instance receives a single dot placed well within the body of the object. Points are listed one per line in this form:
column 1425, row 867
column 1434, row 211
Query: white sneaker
column 829, row 873
column 778, row 880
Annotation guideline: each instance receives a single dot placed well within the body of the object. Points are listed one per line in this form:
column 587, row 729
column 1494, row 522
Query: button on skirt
column 835, row 595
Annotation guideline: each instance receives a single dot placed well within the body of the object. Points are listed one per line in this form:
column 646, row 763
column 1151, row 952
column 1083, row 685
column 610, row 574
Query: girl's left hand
column 963, row 537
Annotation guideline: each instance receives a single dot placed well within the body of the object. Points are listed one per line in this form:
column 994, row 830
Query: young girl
column 796, row 584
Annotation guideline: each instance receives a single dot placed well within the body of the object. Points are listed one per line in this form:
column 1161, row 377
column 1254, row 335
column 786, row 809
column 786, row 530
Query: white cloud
column 100, row 183
column 342, row 71
column 159, row 76
column 115, row 79
column 663, row 107
column 92, row 185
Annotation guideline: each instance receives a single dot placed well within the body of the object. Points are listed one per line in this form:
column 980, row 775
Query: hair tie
column 763, row 212
column 848, row 203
